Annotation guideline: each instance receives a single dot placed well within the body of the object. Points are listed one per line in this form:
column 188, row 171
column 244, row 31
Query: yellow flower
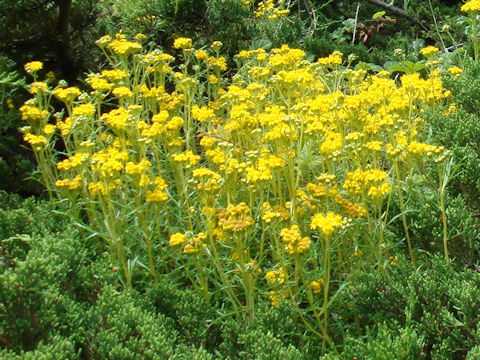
column 33, row 114
column 294, row 243
column 276, row 277
column 326, row 223
column 206, row 179
column 156, row 195
column 38, row 87
column 316, row 286
column 202, row 113
column 333, row 59
column 212, row 79
column 123, row 47
column 201, row 55
column 455, row 70
column 177, row 239
column 471, row 6
column 70, row 184
column 37, row 141
column 114, row 74
column 49, row 129
column 103, row 41
column 273, row 296
column 196, row 244
column 187, row 157
column 217, row 45
column 98, row 83
column 429, row 51
column 83, row 110
column 235, row 218
column 73, row 161
column 182, row 43
column 122, row 92
column 33, row 66
column 140, row 37
column 67, row 95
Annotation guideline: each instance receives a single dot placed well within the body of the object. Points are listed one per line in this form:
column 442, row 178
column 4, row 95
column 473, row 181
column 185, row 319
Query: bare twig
column 355, row 25
column 399, row 12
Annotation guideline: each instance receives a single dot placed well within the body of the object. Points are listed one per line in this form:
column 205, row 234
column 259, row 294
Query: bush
column 437, row 304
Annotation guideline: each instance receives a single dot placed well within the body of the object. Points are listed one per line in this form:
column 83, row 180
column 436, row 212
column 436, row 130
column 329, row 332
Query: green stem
column 475, row 39
column 404, row 218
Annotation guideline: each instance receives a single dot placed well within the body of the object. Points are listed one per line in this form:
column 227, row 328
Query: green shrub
column 159, row 20
column 383, row 344
column 59, row 297
column 273, row 336
column 438, row 303
column 120, row 327
column 57, row 348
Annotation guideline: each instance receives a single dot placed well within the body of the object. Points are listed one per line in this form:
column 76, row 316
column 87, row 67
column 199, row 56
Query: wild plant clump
column 276, row 182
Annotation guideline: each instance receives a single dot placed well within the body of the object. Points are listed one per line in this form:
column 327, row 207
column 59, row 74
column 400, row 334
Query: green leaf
column 378, row 14
column 264, row 44
column 408, row 66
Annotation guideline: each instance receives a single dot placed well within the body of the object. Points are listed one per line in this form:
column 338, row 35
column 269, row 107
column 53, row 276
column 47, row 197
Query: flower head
column 471, row 6
column 182, row 43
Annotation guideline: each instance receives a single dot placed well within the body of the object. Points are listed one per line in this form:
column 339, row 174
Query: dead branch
column 399, row 12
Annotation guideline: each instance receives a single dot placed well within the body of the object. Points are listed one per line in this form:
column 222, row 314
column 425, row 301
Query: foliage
column 431, row 310
column 63, row 301
column 15, row 165
column 159, row 20
column 55, row 31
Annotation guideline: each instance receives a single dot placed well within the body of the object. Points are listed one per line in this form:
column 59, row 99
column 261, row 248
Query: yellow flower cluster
column 98, row 83
column 158, row 194
column 235, row 218
column 372, row 181
column 326, row 223
column 73, row 161
column 114, row 75
column 196, row 244
column 206, row 179
column 33, row 114
column 276, row 277
column 429, row 51
column 67, row 95
column 471, row 6
column 83, row 110
column 333, row 59
column 37, row 141
column 182, row 43
column 38, row 86
column 177, row 239
column 268, row 9
column 33, row 66
column 123, row 47
column 455, row 70
column 316, row 286
column 294, row 242
column 278, row 212
column 70, row 184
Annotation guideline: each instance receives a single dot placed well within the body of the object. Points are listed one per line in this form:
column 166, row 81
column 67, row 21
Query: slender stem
column 441, row 190
column 475, row 39
column 404, row 218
